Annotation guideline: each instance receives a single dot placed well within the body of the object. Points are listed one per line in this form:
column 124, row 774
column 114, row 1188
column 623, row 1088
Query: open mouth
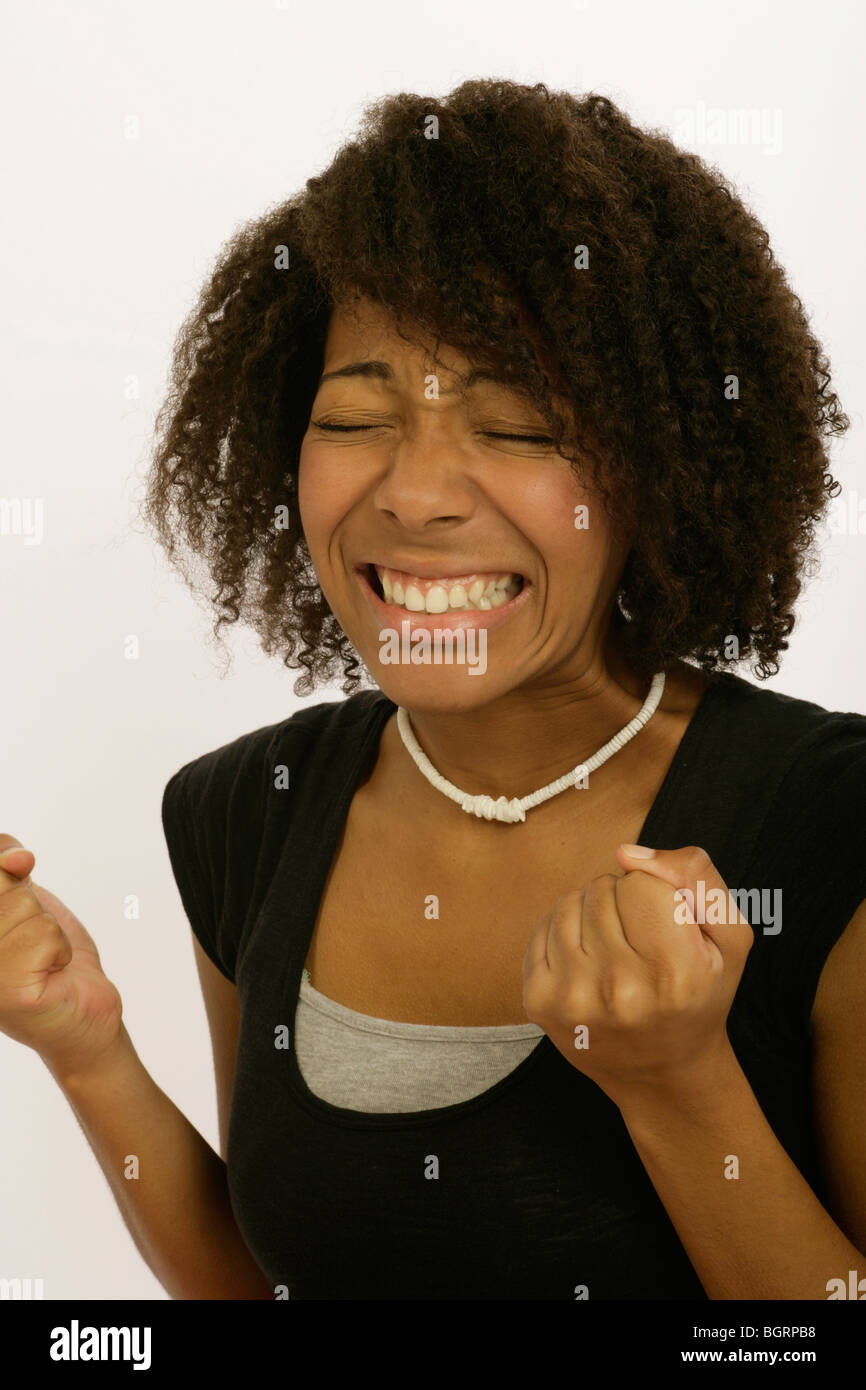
column 470, row 593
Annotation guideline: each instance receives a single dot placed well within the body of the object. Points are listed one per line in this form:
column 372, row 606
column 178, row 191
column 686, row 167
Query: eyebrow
column 382, row 371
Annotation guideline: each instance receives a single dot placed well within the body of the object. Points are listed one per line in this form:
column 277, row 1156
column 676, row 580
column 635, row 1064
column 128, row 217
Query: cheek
column 319, row 497
column 568, row 526
column 306, row 489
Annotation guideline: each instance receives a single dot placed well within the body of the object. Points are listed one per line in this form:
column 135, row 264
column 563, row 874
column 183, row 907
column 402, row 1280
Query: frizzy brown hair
column 467, row 232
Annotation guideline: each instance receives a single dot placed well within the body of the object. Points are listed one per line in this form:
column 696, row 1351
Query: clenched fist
column 54, row 996
column 630, row 988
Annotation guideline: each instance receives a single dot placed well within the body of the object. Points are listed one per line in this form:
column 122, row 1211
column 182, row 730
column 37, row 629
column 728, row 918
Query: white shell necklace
column 515, row 810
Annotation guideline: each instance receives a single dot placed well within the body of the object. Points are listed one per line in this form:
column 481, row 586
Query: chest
column 418, row 929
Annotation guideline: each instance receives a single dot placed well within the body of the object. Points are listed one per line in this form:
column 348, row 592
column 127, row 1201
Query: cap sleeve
column 812, row 848
column 197, row 857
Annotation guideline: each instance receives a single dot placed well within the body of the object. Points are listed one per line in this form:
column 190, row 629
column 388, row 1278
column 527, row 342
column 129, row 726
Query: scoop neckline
column 427, row 1032
column 284, row 887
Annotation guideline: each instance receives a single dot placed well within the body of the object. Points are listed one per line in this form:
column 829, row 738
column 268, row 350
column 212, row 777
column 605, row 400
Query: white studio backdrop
column 138, row 137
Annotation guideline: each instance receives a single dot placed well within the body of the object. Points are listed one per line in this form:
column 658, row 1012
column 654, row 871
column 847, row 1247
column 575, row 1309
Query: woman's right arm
column 177, row 1207
column 170, row 1185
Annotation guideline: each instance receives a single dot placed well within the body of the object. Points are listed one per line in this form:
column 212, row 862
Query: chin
column 435, row 690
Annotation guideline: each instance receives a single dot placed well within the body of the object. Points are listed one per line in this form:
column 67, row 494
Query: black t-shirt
column 537, row 1188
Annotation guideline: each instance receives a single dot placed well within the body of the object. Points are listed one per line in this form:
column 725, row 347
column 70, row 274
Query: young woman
column 535, row 968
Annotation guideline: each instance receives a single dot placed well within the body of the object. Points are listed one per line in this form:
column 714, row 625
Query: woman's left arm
column 764, row 1234
column 749, row 1222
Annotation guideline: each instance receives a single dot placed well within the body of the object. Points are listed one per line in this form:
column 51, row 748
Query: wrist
column 76, row 1072
column 693, row 1091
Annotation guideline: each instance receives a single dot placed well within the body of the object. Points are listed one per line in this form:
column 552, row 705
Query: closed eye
column 523, row 438
column 488, row 434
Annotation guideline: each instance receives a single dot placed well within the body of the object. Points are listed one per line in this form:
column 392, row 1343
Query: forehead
column 362, row 342
column 366, row 329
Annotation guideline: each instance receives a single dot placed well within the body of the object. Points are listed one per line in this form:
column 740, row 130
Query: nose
column 425, row 483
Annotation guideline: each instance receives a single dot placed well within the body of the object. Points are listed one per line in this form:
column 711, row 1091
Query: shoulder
column 239, row 771
column 804, row 767
column 793, row 825
column 771, row 780
column 799, row 760
column 227, row 816
column 765, row 709
column 817, row 757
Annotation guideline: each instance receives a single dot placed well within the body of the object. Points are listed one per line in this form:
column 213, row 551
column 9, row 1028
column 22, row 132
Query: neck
column 521, row 742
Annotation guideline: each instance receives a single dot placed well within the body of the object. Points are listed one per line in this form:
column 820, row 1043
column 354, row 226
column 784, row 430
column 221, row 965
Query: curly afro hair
column 583, row 259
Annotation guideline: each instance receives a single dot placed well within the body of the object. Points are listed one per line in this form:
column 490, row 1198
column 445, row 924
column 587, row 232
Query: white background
column 106, row 241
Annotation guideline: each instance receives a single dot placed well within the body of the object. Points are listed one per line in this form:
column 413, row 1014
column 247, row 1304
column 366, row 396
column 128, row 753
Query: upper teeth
column 470, row 591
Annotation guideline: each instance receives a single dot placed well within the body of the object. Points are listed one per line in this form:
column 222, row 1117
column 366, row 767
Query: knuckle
column 676, row 990
column 632, row 884
column 43, row 942
column 626, row 999
column 535, row 999
column 566, row 905
column 48, row 925
column 598, row 892
column 697, row 860
column 600, row 881
column 34, row 931
column 18, row 903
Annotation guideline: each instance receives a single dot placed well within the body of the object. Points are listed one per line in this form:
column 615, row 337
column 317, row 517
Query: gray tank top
column 375, row 1064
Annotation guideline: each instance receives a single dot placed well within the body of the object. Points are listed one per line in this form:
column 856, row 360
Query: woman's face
column 416, row 483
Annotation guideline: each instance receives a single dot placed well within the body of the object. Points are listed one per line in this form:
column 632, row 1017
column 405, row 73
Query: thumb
column 16, row 865
column 702, row 893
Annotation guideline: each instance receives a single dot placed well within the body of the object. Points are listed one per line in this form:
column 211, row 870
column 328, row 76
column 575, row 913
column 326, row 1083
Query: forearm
column 760, row 1235
column 177, row 1209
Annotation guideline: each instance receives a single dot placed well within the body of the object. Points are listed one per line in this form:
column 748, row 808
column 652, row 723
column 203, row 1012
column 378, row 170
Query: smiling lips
column 461, row 593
